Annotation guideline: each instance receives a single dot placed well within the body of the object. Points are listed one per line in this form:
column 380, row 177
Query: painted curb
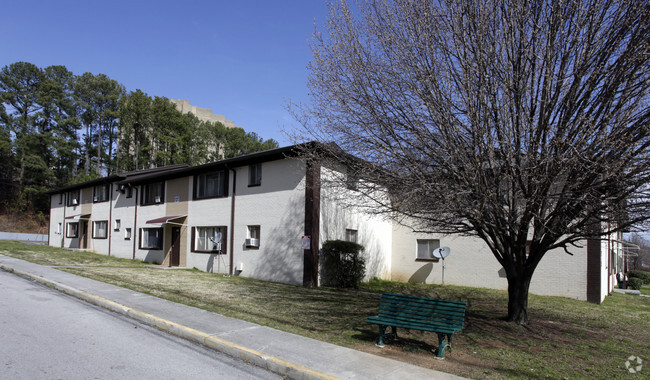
column 271, row 363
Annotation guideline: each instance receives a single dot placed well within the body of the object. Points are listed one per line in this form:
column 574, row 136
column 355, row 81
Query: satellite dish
column 441, row 253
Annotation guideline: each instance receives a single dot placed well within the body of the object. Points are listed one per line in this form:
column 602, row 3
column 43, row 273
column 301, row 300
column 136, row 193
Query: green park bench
column 419, row 313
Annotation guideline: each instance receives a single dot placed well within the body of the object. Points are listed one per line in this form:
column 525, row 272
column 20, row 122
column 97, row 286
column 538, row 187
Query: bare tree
column 524, row 123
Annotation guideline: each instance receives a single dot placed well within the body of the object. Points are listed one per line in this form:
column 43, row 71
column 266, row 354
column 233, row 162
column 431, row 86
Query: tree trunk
column 518, row 299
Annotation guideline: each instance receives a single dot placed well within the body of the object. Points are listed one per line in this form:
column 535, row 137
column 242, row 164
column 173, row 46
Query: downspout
column 63, row 226
column 110, row 217
column 232, row 222
column 134, row 233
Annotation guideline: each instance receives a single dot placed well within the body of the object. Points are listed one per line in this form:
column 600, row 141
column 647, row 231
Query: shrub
column 343, row 265
column 643, row 276
column 635, row 283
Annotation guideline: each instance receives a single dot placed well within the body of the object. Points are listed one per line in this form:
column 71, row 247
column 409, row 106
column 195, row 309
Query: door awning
column 165, row 219
column 78, row 217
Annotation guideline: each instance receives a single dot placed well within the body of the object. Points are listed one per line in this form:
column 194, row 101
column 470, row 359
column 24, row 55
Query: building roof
column 183, row 170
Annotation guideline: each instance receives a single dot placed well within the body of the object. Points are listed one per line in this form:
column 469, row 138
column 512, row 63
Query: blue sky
column 244, row 59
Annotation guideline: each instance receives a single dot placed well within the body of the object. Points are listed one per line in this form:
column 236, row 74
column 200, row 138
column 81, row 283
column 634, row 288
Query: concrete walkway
column 288, row 354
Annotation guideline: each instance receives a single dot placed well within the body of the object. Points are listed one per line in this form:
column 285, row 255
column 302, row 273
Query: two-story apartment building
column 265, row 215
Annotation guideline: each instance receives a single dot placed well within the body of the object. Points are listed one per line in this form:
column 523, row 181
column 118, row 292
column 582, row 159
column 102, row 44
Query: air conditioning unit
column 74, row 201
column 253, row 242
column 157, row 199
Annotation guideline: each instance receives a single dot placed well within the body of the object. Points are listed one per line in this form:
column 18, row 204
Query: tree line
column 58, row 128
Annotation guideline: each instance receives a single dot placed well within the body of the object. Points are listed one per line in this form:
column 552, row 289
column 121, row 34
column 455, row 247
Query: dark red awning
column 164, row 219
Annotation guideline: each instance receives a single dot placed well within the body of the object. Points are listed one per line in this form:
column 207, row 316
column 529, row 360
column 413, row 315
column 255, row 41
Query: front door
column 83, row 240
column 175, row 258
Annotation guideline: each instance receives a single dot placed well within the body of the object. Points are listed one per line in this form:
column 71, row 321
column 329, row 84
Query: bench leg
column 394, row 333
column 442, row 344
column 382, row 332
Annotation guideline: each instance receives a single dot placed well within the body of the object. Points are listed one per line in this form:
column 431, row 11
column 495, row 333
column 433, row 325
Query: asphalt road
column 45, row 334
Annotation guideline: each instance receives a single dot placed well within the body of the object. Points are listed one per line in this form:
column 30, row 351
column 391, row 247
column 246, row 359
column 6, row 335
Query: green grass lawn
column 645, row 289
column 565, row 339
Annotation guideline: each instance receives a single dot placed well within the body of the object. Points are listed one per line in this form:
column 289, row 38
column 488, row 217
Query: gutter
column 134, row 233
column 109, row 224
column 232, row 222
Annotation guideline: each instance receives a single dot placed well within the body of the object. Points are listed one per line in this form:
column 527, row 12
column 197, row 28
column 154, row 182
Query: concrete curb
column 277, row 365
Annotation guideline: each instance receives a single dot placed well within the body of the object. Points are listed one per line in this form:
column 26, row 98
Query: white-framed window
column 118, row 224
column 209, row 239
column 426, row 247
column 59, row 228
column 211, row 185
column 255, row 175
column 153, row 193
column 127, row 233
column 61, row 198
column 253, row 237
column 100, row 193
column 100, row 229
column 72, row 230
column 351, row 235
column 151, row 238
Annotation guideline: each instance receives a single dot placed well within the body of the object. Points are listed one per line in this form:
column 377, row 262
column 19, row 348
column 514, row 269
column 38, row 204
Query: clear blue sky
column 244, row 59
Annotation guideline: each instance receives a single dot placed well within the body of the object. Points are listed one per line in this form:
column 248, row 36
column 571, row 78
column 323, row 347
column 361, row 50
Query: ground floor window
column 253, row 237
column 72, row 230
column 209, row 239
column 100, row 229
column 127, row 233
column 426, row 247
column 151, row 238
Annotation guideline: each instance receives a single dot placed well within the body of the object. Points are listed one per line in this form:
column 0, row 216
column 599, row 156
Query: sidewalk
column 287, row 354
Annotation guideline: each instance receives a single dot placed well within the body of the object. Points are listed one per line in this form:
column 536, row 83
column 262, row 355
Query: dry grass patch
column 565, row 339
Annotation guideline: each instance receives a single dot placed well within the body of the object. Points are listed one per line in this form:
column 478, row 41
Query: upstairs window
column 74, row 197
column 100, row 193
column 211, row 185
column 153, row 193
column 255, row 175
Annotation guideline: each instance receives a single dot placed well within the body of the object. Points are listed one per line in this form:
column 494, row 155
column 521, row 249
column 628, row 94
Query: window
column 211, row 185
column 255, row 175
column 100, row 229
column 127, row 234
column 151, row 238
column 118, row 224
column 253, row 237
column 59, row 228
column 129, row 192
column 72, row 230
column 425, row 249
column 351, row 235
column 153, row 193
column 209, row 239
column 100, row 193
column 60, row 198
column 73, row 198
column 351, row 180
